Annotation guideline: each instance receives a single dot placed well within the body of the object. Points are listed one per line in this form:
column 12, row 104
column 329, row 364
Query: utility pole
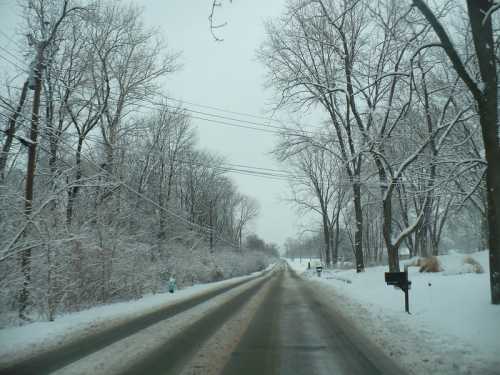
column 36, row 85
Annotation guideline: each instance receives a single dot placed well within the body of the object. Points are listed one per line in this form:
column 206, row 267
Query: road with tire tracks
column 272, row 324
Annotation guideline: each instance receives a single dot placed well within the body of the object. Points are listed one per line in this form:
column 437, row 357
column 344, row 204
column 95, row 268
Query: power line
column 227, row 118
column 272, row 174
column 168, row 97
column 228, row 166
column 142, row 196
column 221, row 109
column 255, row 126
column 13, row 63
column 254, row 173
column 252, row 125
column 165, row 105
column 10, row 39
column 17, row 59
column 242, row 168
column 248, row 170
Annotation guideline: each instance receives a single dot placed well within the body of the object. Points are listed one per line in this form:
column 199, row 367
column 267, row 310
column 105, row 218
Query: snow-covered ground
column 453, row 327
column 21, row 342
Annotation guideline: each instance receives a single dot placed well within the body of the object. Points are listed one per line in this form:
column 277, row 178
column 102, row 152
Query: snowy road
column 293, row 333
column 282, row 329
column 80, row 348
column 275, row 324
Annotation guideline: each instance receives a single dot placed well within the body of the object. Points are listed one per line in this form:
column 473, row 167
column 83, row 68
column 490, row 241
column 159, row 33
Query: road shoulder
column 419, row 351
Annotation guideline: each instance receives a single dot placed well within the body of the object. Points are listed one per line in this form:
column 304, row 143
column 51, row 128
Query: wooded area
column 392, row 144
column 105, row 193
column 407, row 151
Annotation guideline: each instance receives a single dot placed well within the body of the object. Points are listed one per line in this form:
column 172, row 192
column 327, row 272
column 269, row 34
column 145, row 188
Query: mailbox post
column 400, row 280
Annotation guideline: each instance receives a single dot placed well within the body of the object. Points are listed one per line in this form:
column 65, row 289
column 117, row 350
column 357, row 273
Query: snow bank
column 452, row 319
column 456, row 264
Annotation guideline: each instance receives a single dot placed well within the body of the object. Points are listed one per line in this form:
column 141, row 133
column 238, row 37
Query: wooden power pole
column 36, row 85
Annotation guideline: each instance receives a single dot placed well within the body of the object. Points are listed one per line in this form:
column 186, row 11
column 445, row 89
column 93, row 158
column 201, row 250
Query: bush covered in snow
column 74, row 276
column 451, row 264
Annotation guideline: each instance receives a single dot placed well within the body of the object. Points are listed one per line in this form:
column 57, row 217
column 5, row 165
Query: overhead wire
column 10, row 39
column 153, row 105
column 17, row 59
column 238, row 123
column 339, row 183
column 13, row 63
column 142, row 196
column 252, row 125
column 168, row 97
column 242, row 168
column 235, row 168
column 265, row 126
column 280, row 175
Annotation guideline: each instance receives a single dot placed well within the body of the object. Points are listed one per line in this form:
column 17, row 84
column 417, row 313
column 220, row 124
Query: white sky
column 224, row 75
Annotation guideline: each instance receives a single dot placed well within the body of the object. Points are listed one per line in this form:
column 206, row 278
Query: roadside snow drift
column 453, row 328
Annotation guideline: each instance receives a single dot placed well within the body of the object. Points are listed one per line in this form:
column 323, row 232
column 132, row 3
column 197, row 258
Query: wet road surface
column 293, row 333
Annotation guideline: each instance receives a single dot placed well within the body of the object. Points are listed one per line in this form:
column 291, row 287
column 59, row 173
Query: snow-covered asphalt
column 293, row 333
column 275, row 324
column 83, row 347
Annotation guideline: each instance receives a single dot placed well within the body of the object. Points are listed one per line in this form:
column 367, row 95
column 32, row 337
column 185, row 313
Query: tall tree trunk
column 482, row 33
column 483, row 236
column 73, row 191
column 162, row 220
column 392, row 252
column 493, row 193
column 358, row 231
column 425, row 232
column 336, row 242
column 326, row 240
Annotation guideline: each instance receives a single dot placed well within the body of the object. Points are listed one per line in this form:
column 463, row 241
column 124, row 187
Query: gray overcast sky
column 224, row 75
column 227, row 75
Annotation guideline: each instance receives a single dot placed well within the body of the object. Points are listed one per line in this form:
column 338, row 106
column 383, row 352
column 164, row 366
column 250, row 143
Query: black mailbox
column 396, row 278
column 319, row 269
column 400, row 280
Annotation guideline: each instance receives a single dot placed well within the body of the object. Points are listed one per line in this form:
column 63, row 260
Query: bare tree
column 318, row 179
column 485, row 94
column 247, row 209
column 307, row 55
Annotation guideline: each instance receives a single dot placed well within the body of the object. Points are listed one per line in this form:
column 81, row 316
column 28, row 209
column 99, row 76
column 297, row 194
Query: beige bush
column 430, row 264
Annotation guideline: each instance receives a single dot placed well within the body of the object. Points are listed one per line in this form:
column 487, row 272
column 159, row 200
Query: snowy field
column 33, row 338
column 453, row 328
